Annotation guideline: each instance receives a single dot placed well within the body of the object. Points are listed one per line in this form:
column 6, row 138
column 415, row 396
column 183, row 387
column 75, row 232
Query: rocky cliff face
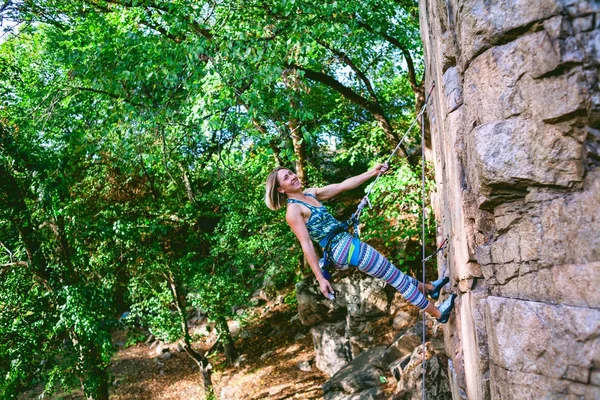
column 515, row 125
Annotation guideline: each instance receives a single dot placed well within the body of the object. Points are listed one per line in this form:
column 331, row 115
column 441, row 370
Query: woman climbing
column 309, row 219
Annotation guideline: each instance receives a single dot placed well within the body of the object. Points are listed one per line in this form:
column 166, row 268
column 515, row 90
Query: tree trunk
column 94, row 381
column 292, row 82
column 227, row 340
column 21, row 218
column 200, row 359
column 299, row 147
column 188, row 185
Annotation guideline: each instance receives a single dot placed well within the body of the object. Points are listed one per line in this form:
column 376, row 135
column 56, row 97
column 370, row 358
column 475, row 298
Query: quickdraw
column 440, row 248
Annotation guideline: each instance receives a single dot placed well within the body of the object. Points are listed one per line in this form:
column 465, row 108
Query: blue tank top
column 320, row 222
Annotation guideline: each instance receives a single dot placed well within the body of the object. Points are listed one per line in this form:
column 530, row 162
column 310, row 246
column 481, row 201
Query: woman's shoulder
column 312, row 192
column 294, row 210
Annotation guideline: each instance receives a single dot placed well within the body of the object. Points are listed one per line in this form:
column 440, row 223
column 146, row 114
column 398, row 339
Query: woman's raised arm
column 330, row 191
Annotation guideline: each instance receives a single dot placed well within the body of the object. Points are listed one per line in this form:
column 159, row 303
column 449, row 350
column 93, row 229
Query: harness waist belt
column 342, row 227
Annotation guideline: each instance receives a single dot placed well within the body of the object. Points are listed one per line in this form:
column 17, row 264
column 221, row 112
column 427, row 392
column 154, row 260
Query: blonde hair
column 273, row 198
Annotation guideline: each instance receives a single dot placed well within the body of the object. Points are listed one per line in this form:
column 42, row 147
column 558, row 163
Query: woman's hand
column 326, row 288
column 380, row 168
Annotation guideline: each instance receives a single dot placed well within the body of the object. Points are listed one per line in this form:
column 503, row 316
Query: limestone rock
column 363, row 295
column 375, row 393
column 482, row 24
column 410, row 385
column 332, row 349
column 313, row 307
column 359, row 378
column 515, row 142
column 541, row 339
column 402, row 347
column 361, row 333
column 574, row 285
column 403, row 319
column 515, row 153
column 357, row 295
column 304, row 366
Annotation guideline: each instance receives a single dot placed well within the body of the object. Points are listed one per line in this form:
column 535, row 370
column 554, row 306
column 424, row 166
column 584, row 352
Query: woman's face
column 287, row 181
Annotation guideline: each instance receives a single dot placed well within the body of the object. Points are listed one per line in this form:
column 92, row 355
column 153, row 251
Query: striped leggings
column 374, row 264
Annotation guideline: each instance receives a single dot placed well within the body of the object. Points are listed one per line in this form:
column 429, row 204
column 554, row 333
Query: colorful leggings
column 374, row 264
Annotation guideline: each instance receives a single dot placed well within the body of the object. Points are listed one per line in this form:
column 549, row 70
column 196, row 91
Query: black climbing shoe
column 437, row 287
column 446, row 309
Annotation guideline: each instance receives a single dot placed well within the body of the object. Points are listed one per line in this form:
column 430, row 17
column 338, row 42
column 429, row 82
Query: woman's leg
column 374, row 264
column 425, row 287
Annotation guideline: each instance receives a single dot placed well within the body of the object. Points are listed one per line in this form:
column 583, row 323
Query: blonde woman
column 310, row 221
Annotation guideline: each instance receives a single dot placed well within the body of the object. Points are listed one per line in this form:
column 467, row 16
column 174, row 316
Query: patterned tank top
column 320, row 222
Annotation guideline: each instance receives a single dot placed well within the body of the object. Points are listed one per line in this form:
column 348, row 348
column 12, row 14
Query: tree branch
column 5, row 5
column 412, row 76
column 23, row 263
column 343, row 56
column 196, row 27
column 372, row 107
column 106, row 93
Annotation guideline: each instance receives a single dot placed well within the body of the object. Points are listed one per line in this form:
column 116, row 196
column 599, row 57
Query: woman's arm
column 296, row 222
column 329, row 191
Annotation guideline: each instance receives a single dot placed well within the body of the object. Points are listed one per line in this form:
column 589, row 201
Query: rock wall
column 515, row 130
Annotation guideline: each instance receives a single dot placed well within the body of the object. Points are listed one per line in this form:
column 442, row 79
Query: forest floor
column 269, row 371
column 275, row 342
column 271, row 352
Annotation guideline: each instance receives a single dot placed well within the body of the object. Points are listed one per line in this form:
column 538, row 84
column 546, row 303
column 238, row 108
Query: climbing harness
column 326, row 244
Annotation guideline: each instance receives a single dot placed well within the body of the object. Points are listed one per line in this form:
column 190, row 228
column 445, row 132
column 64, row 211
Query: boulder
column 314, row 308
column 410, row 384
column 362, row 378
column 332, row 349
column 402, row 347
column 361, row 332
column 356, row 294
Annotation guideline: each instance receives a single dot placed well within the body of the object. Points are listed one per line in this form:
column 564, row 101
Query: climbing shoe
column 437, row 287
column 446, row 309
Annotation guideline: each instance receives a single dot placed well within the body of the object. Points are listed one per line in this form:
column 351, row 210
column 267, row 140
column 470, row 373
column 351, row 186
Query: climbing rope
column 355, row 218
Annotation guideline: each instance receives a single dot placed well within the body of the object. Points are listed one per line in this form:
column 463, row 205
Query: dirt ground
column 269, row 369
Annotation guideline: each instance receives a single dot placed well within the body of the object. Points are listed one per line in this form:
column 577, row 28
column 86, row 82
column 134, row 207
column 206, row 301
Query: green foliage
column 154, row 309
column 291, row 300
